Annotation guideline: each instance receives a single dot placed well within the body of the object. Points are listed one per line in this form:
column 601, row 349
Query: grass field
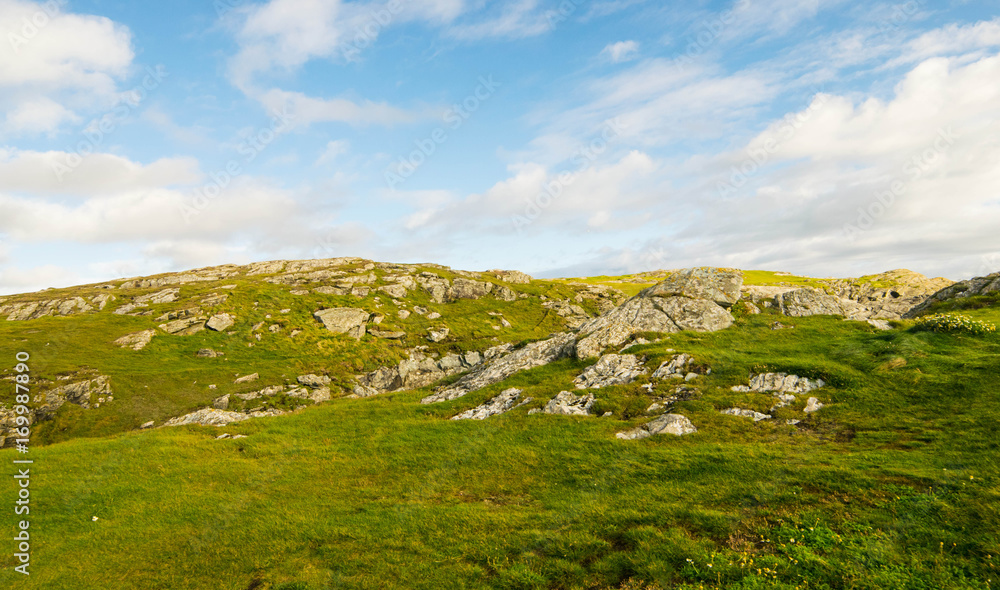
column 894, row 484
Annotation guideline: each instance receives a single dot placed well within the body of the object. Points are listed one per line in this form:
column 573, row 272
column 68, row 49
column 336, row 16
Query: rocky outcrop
column 32, row 310
column 437, row 335
column 666, row 307
column 418, row 371
column 812, row 404
column 780, row 382
column 574, row 315
column 764, row 294
column 136, row 341
column 247, row 378
column 677, row 367
column 810, row 301
column 220, row 322
column 345, row 320
column 506, row 401
column 976, row 286
column 214, row 273
column 184, row 326
column 312, row 380
column 511, row 276
column 568, row 404
column 86, row 394
column 719, row 285
column 784, row 387
column 757, row 416
column 533, row 355
column 889, row 295
column 611, row 369
column 467, row 289
column 666, row 424
column 208, row 417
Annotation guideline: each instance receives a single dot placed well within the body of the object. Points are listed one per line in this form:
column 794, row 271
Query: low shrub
column 954, row 323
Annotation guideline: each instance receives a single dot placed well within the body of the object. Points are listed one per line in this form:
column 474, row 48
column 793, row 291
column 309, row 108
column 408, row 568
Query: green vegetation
column 895, row 484
column 954, row 322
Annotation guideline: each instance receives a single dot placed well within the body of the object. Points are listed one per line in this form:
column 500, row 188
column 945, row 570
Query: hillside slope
column 624, row 442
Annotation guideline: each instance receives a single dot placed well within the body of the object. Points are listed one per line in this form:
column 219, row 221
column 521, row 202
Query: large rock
column 568, row 404
column 314, row 381
column 344, row 320
column 533, row 355
column 220, row 322
column 719, row 285
column 665, row 424
column 811, row 301
column 646, row 313
column 960, row 290
column 184, row 326
column 506, row 401
column 208, row 417
column 780, row 382
column 611, row 369
column 511, row 276
column 417, row 371
column 467, row 289
column 136, row 341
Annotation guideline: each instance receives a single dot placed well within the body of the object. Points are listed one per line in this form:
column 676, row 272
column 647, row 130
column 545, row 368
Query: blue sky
column 572, row 137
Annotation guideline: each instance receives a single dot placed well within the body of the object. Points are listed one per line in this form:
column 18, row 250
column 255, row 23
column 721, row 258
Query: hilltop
column 412, row 425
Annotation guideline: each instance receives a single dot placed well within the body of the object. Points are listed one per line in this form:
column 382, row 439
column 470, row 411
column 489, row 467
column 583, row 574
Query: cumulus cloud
column 620, row 51
column 55, row 63
column 305, row 110
column 38, row 173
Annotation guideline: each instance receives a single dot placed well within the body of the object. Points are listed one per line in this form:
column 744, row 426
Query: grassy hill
column 895, row 483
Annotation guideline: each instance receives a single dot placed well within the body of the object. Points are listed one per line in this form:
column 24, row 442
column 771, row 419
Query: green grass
column 894, row 484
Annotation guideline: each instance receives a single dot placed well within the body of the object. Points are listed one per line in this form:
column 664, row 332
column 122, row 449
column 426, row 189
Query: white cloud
column 620, row 51
column 654, row 103
column 34, row 173
column 53, row 64
column 285, row 34
column 306, row 110
column 39, row 115
column 333, row 150
column 15, row 279
column 953, row 39
column 517, row 20
column 243, row 208
column 600, row 197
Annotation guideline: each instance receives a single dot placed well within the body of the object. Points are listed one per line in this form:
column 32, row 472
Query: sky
column 557, row 137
